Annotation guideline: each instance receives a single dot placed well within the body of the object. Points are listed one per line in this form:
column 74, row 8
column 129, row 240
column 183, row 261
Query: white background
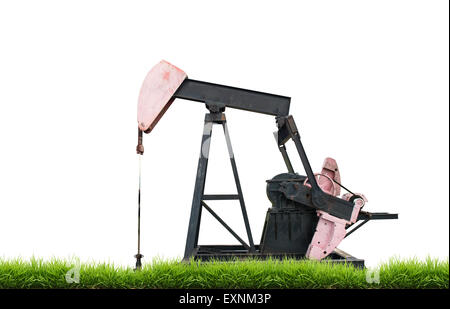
column 369, row 87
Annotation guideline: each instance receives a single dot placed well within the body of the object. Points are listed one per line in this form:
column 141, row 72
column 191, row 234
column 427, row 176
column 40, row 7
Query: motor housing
column 289, row 226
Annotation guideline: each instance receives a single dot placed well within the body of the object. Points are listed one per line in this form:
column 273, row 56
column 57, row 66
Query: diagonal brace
column 225, row 225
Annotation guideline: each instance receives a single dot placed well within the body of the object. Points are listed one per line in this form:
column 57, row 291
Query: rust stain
column 175, row 67
column 166, row 75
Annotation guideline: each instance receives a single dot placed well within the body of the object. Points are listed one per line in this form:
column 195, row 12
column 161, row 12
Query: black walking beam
column 238, row 98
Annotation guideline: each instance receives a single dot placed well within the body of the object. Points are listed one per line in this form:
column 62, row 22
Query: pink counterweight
column 330, row 230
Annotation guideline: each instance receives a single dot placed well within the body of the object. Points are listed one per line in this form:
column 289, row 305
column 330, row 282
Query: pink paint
column 330, row 169
column 325, row 183
column 326, row 179
column 330, row 230
column 156, row 93
column 359, row 203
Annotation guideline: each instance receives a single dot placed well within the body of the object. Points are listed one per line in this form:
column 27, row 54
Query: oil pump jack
column 307, row 219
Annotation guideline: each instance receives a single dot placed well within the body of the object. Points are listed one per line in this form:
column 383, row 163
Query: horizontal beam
column 220, row 197
column 248, row 100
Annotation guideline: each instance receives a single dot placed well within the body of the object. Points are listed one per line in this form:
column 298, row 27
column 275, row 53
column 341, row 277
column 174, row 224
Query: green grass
column 396, row 273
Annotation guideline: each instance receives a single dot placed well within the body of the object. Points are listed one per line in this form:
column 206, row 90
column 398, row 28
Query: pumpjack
column 307, row 219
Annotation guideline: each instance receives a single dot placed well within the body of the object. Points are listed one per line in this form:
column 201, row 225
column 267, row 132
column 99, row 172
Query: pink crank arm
column 330, row 230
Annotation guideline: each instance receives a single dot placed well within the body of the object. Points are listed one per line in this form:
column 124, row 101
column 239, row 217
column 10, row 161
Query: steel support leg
column 238, row 187
column 196, row 210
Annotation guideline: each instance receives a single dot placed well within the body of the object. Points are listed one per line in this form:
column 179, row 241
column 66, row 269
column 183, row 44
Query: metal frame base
column 233, row 252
